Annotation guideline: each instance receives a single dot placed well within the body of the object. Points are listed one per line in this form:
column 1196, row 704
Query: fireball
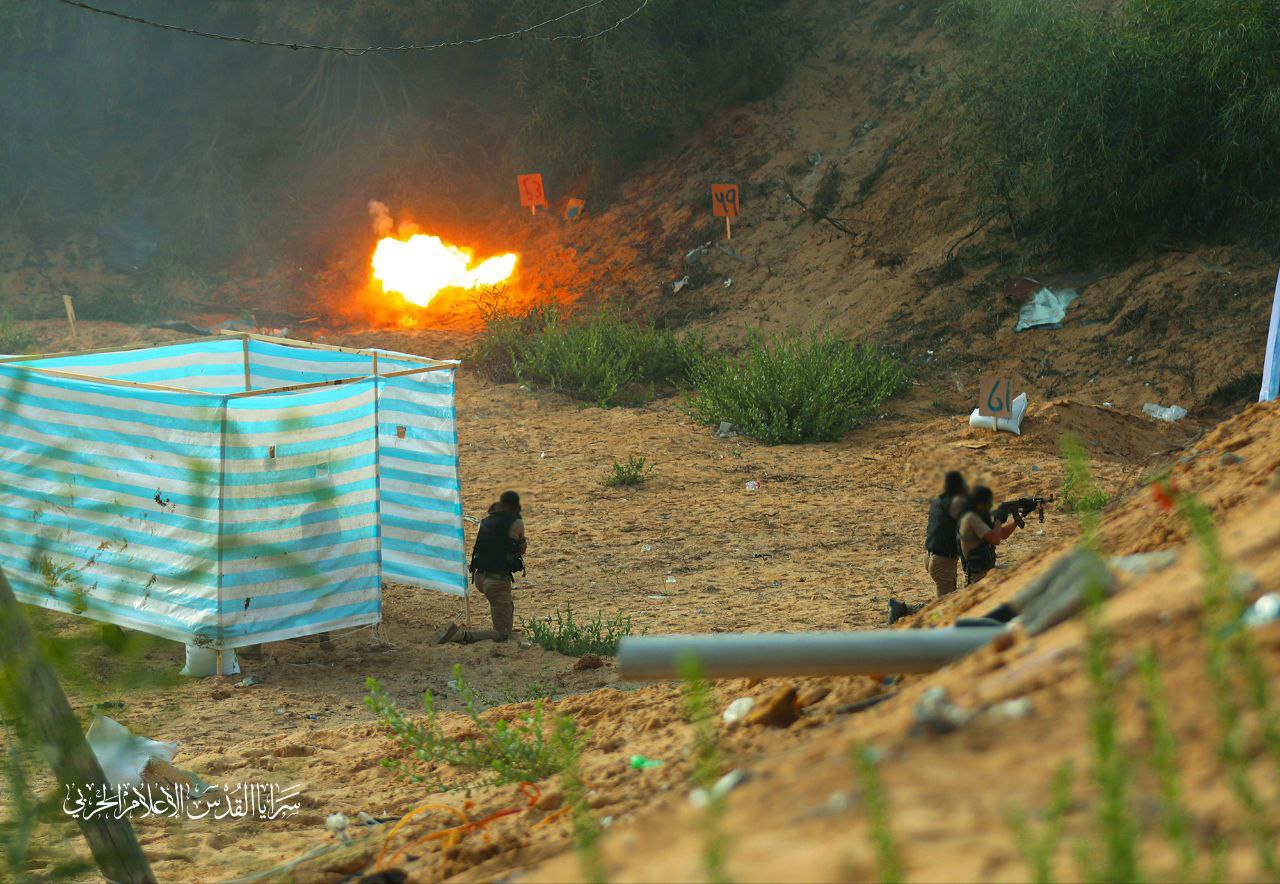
column 422, row 266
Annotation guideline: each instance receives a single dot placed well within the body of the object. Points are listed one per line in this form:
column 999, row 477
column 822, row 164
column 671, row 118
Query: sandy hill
column 829, row 535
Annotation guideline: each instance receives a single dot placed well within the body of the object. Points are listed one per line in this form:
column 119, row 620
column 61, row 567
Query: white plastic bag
column 1164, row 413
column 1046, row 309
column 1013, row 425
column 122, row 754
column 203, row 662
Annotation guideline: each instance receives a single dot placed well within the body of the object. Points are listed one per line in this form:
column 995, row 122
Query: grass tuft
column 562, row 633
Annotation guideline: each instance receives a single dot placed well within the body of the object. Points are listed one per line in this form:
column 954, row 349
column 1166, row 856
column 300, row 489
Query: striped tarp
column 1271, row 362
column 221, row 518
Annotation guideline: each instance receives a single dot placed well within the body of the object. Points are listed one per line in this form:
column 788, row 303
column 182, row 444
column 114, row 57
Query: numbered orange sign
column 531, row 193
column 574, row 208
column 995, row 397
column 724, row 200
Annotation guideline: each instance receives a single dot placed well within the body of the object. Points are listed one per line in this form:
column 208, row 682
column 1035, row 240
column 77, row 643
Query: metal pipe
column 765, row 655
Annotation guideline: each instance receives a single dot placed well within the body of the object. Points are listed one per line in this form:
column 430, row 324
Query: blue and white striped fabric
column 109, row 501
column 299, row 514
column 214, row 366
column 422, row 541
column 222, row 519
column 1271, row 363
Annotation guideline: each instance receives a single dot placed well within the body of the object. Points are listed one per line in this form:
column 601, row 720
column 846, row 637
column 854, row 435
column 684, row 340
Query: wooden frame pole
column 54, row 727
column 247, row 376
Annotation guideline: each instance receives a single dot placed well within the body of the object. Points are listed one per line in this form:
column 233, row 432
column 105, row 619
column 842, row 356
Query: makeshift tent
column 228, row 491
column 1271, row 361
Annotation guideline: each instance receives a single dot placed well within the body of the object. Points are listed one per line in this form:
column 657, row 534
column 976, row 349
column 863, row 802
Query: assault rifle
column 1023, row 506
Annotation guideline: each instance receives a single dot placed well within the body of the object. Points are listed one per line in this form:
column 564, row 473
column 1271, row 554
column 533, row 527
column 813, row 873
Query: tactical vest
column 940, row 537
column 979, row 559
column 495, row 550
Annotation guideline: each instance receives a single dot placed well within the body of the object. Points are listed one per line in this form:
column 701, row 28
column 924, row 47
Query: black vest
column 940, row 536
column 495, row 550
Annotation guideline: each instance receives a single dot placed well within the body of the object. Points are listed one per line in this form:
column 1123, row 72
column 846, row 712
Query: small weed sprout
column 633, row 472
column 1039, row 850
column 1176, row 820
column 708, row 765
column 586, row 828
column 561, row 633
column 1231, row 650
column 1079, row 492
column 888, row 857
column 1112, row 768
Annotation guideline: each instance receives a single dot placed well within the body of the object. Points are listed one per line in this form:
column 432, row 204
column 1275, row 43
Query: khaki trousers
column 943, row 572
column 502, row 610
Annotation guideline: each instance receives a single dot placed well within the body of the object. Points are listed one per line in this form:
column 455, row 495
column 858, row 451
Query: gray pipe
column 765, row 655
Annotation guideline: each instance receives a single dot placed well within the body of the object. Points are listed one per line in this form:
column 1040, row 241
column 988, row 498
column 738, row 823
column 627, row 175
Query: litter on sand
column 1265, row 610
column 738, row 709
column 122, row 754
column 1046, row 309
column 1164, row 413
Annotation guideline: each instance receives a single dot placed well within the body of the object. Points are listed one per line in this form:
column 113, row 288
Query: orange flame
column 422, row 266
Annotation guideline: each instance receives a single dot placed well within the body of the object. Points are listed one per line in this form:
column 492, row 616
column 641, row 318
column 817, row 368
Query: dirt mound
column 1105, row 432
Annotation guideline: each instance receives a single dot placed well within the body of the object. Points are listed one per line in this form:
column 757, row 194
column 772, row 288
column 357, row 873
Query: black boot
column 898, row 610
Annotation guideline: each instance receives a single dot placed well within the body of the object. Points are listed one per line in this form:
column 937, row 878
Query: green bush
column 803, row 389
column 633, row 472
column 1103, row 123
column 15, row 340
column 603, row 359
column 526, row 749
column 573, row 638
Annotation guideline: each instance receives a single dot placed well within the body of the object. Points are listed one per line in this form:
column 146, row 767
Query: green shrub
column 1105, row 123
column 633, row 472
column 603, row 359
column 15, row 340
column 565, row 635
column 803, row 389
column 525, row 749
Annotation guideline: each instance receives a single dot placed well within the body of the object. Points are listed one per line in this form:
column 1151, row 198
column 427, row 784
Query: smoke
column 384, row 224
column 381, row 215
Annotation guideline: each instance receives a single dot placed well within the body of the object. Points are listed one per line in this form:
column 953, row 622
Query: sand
column 831, row 533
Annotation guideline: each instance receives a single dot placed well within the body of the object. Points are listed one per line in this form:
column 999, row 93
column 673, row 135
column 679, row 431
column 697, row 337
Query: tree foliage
column 170, row 146
column 1102, row 124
